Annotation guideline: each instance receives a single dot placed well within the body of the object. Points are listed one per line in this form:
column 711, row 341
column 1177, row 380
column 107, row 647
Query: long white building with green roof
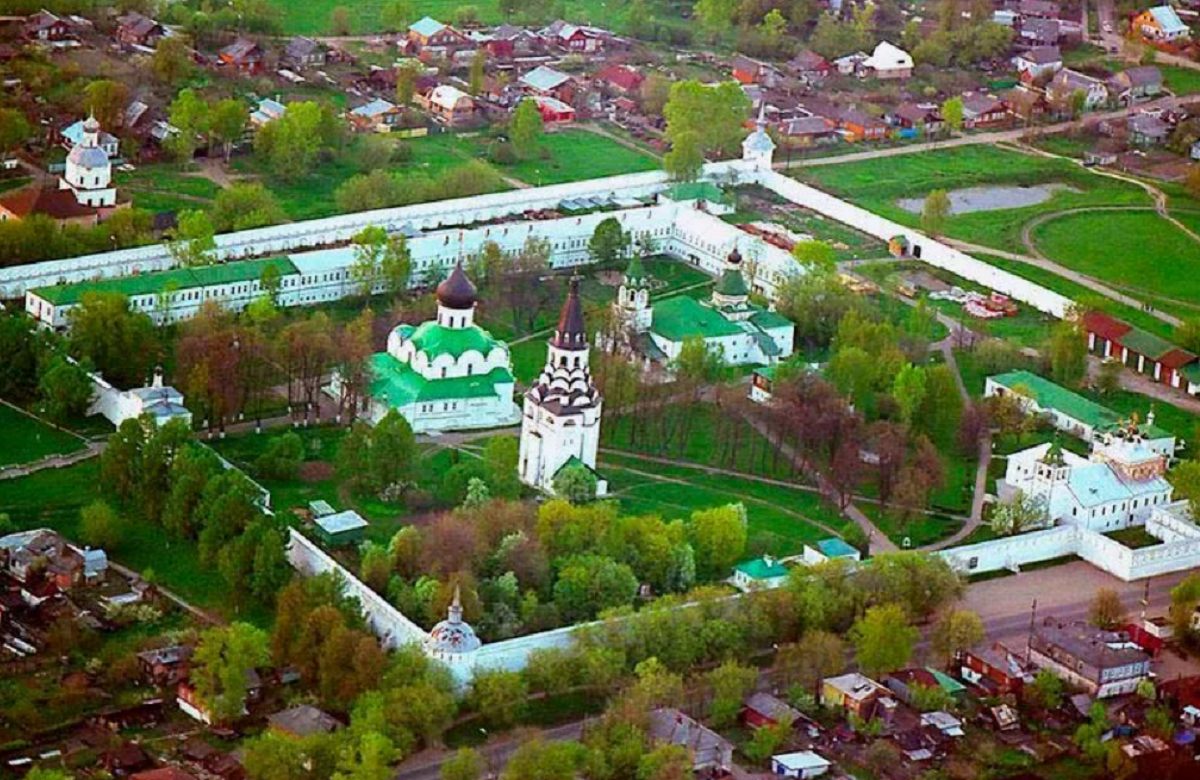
column 445, row 374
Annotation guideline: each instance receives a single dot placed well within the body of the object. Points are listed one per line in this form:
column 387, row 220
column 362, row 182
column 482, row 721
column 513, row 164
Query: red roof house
column 621, row 78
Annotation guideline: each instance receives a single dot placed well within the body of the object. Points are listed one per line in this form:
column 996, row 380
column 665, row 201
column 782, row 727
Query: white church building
column 88, row 173
column 1119, row 486
column 560, row 424
column 445, row 374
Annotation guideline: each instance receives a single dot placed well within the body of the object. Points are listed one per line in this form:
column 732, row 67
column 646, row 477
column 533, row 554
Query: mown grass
column 919, row 531
column 26, row 439
column 1181, row 81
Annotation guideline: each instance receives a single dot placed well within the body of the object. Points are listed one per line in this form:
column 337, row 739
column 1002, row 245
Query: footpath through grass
column 24, row 439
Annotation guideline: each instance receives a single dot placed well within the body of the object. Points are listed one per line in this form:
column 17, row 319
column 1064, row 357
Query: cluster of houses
column 45, row 578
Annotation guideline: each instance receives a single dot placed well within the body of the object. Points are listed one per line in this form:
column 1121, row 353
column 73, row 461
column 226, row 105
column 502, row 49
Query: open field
column 1181, row 81
column 781, row 519
column 26, row 439
column 1140, row 251
column 312, row 17
column 918, row 531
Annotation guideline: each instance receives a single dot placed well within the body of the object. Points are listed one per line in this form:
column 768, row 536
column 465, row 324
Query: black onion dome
column 735, row 257
column 570, row 333
column 457, row 292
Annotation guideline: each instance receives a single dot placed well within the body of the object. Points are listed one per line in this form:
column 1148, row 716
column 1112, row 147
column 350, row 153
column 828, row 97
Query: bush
column 282, row 457
column 502, row 153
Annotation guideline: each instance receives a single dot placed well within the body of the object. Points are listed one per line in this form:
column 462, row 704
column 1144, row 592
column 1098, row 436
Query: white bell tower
column 758, row 149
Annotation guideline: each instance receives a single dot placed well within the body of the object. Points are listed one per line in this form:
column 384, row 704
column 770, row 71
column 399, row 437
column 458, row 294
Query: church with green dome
column 446, row 374
column 745, row 332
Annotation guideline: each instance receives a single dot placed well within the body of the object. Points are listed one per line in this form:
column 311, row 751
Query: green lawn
column 576, row 155
column 1181, row 81
column 878, row 184
column 919, row 531
column 312, row 18
column 1135, row 249
column 1135, row 537
column 166, row 187
column 781, row 518
column 27, row 439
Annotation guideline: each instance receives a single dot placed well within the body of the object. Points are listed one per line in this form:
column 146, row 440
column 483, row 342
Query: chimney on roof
column 158, row 377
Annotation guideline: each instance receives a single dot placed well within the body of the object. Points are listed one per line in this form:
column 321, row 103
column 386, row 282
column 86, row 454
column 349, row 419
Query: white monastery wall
column 387, row 622
column 933, row 252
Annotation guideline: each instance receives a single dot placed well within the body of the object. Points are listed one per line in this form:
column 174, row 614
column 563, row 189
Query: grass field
column 1140, row 250
column 878, row 184
column 576, row 156
column 27, row 439
column 781, row 519
column 919, row 531
column 166, row 187
column 312, row 17
column 1181, row 81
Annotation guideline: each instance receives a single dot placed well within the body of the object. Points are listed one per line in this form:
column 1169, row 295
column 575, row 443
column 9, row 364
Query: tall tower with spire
column 758, row 149
column 560, row 424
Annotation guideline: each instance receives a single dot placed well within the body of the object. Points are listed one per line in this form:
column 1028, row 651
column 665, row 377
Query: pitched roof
column 570, row 333
column 1142, row 75
column 53, row 203
column 1042, row 55
column 888, row 56
column 683, row 316
column 762, row 569
column 545, row 79
column 976, row 103
column 397, row 384
column 807, row 125
column 338, row 523
column 303, row 720
column 434, row 339
column 1168, row 21
column 241, row 49
column 1105, row 326
column 163, row 773
column 161, row 281
column 706, row 746
column 427, row 27
column 621, row 76
column 300, row 47
column 1049, row 395
column 375, row 108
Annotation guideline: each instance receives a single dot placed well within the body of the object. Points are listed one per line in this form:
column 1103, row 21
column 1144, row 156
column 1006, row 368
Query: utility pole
column 1029, row 639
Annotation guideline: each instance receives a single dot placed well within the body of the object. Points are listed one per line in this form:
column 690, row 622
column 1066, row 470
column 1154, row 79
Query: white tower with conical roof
column 758, row 149
column 560, row 424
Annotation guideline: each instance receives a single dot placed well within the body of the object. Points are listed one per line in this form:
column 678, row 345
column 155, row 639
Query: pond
column 971, row 199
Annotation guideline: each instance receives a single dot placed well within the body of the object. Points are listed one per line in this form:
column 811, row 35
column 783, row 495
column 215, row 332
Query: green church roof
column 683, row 316
column 732, row 284
column 434, row 340
column 760, row 569
column 635, row 274
column 397, row 384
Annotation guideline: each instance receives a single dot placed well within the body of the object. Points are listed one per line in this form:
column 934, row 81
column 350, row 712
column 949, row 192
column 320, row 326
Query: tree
column 609, row 242
column 370, row 757
column 172, row 60
column 245, row 206
column 730, row 682
column 590, row 584
column 64, row 389
column 291, row 145
column 119, row 343
column 1046, row 690
column 666, row 762
column 227, row 124
column 15, row 130
column 718, row 536
column 952, row 113
column 498, row 696
column 685, row 159
column 339, row 20
column 1107, row 611
column 577, row 484
column 883, row 639
column 100, row 526
column 106, row 100
column 1192, row 182
column 1019, row 514
column 909, row 391
column 189, row 114
column 716, row 15
column 223, row 658
column 715, row 114
column 935, row 211
column 815, row 255
column 396, row 15
column 1068, row 353
column 393, row 447
column 500, row 465
column 477, row 71
column 465, row 764
column 406, row 84
column 525, row 128
column 194, row 241
column 1185, row 597
column 957, row 629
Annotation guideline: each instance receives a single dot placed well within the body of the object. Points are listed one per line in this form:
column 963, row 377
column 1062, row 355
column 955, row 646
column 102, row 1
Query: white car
column 1107, row 27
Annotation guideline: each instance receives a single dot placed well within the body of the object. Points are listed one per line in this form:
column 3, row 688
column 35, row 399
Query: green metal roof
column 766, row 372
column 682, row 316
column 635, row 274
column 836, row 548
column 759, row 569
column 177, row 279
column 732, row 284
column 397, row 384
column 946, row 682
column 1146, row 343
column 770, row 319
column 434, row 340
column 1048, row 395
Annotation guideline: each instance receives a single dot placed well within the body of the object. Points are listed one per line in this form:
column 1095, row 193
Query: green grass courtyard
column 27, row 439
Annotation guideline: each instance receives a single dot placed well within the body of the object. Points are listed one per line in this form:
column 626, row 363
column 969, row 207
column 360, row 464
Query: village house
column 1136, row 85
column 430, row 38
column 1025, row 103
column 810, row 67
column 1103, row 663
column 573, row 38
column 136, row 30
column 747, row 70
column 1038, row 9
column 59, row 205
column 708, row 749
column 857, row 125
column 449, row 104
column 889, row 62
column 1039, row 63
column 621, row 79
column 922, row 117
column 994, row 669
column 1161, row 24
column 302, row 53
column 762, row 710
column 554, row 111
column 857, row 694
column 1147, row 130
column 267, row 112
column 513, row 41
column 906, row 682
column 166, row 666
column 302, row 721
column 808, row 131
column 1066, row 83
column 1041, row 32
column 981, row 110
column 125, row 760
column 851, row 64
column 244, row 55
column 548, row 82
column 803, row 765
column 763, row 573
column 378, row 116
column 45, row 26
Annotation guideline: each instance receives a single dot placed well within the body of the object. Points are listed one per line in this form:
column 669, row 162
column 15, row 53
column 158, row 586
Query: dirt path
column 214, row 170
